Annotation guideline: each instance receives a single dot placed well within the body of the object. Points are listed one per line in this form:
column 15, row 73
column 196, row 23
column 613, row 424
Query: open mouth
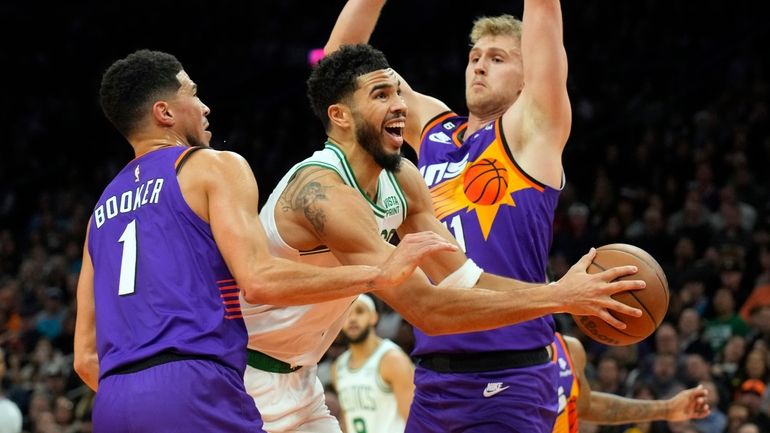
column 396, row 129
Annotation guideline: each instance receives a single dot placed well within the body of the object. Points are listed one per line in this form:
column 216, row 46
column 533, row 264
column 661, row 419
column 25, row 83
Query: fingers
column 609, row 318
column 622, row 286
column 625, row 309
column 613, row 274
column 586, row 260
column 429, row 242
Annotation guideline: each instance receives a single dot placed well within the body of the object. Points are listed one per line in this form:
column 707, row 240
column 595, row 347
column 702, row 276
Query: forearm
column 503, row 284
column 612, row 409
column 282, row 282
column 355, row 24
column 437, row 311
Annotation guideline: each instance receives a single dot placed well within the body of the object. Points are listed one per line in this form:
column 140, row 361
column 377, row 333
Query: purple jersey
column 501, row 217
column 160, row 283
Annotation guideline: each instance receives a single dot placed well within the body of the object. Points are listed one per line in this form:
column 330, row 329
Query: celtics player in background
column 373, row 378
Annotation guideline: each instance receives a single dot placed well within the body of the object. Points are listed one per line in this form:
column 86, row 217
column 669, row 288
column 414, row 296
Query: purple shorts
column 180, row 396
column 521, row 400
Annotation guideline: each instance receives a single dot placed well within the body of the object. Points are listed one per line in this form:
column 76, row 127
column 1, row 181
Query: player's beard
column 369, row 138
column 360, row 338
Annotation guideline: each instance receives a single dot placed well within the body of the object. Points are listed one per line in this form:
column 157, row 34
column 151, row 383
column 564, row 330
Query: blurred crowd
column 669, row 152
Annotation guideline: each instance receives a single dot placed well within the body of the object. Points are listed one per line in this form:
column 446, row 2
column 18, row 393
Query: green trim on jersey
column 351, row 176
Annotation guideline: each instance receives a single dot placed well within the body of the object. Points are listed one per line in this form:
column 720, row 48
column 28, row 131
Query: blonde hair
column 495, row 26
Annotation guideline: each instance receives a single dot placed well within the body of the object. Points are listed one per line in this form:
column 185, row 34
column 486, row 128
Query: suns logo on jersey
column 451, row 196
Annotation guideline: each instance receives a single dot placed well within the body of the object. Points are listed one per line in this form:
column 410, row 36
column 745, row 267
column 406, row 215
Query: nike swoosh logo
column 490, row 392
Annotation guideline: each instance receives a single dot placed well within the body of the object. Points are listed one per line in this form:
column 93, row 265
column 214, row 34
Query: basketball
column 652, row 300
column 485, row 182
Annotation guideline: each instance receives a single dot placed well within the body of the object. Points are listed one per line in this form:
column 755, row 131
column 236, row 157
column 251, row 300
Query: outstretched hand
column 689, row 404
column 587, row 294
column 407, row 256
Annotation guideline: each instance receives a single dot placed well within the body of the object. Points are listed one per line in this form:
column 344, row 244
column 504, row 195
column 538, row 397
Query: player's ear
column 340, row 115
column 162, row 113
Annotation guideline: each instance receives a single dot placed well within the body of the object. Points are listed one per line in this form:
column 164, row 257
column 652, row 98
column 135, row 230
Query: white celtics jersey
column 368, row 402
column 300, row 335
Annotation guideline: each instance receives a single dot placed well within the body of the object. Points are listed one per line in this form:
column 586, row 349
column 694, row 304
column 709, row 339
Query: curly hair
column 130, row 83
column 334, row 78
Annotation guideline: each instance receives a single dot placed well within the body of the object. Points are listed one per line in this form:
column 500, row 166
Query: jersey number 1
column 128, row 262
column 456, row 227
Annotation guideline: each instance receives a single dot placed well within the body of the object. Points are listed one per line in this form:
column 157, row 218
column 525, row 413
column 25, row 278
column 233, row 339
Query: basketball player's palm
column 407, row 256
column 591, row 294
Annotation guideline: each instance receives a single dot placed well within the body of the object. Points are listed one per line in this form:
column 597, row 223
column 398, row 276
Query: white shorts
column 291, row 402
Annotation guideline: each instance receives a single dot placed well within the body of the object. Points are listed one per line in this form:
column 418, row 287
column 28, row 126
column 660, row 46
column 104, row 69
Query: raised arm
column 609, row 409
column 86, row 361
column 230, row 205
column 538, row 124
column 355, row 25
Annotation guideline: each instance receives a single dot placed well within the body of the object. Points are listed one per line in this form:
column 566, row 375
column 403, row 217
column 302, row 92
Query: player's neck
column 478, row 121
column 145, row 143
column 360, row 352
column 365, row 169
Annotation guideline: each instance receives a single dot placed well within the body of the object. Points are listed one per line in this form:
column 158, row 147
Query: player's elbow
column 260, row 291
column 86, row 365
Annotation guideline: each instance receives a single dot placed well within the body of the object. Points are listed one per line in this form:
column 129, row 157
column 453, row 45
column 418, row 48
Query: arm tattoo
column 306, row 200
column 619, row 409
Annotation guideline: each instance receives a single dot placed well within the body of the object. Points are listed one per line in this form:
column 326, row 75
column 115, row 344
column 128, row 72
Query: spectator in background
column 650, row 235
column 737, row 415
column 49, row 322
column 750, row 395
column 728, row 368
column 578, row 236
column 664, row 381
column 609, row 376
column 689, row 327
column 666, row 343
column 692, row 221
column 725, row 322
column 729, row 202
column 692, row 292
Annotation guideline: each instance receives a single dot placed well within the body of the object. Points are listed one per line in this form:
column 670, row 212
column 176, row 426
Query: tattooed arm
column 605, row 408
column 318, row 209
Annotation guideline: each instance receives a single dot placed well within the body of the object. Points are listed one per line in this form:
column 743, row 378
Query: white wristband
column 464, row 277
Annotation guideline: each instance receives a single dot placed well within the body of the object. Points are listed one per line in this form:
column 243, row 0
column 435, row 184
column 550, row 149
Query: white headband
column 366, row 299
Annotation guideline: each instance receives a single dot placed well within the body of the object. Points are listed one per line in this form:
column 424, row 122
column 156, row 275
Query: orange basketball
column 652, row 300
column 485, row 182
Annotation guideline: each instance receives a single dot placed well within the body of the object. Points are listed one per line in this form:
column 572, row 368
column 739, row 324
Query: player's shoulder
column 440, row 127
column 393, row 350
column 217, row 165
